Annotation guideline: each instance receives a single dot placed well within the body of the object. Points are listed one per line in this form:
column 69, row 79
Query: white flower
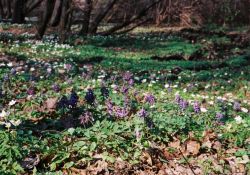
column 175, row 86
column 238, row 119
column 207, row 86
column 15, row 123
column 4, row 114
column 203, row 109
column 32, row 69
column 163, row 93
column 144, row 80
column 244, row 110
column 211, row 102
column 166, row 86
column 10, row 64
column 7, row 125
column 113, row 86
column 185, row 90
column 137, row 78
column 12, row 102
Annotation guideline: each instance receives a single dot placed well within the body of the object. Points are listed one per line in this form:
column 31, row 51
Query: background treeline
column 124, row 15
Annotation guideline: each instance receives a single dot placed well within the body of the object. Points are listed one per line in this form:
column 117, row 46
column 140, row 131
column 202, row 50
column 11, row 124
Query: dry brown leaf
column 98, row 167
column 217, row 145
column 192, row 147
column 175, row 144
column 146, row 158
column 51, row 103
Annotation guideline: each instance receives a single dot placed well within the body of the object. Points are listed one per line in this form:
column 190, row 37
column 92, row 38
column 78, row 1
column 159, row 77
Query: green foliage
column 10, row 153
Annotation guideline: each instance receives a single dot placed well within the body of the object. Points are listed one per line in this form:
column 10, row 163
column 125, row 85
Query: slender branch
column 135, row 18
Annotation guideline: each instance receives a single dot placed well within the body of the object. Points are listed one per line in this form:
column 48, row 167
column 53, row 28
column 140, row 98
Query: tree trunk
column 100, row 16
column 49, row 6
column 86, row 18
column 32, row 6
column 55, row 18
column 18, row 11
column 64, row 19
column 1, row 10
column 8, row 5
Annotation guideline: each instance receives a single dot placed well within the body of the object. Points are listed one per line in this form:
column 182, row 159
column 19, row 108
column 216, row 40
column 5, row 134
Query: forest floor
column 155, row 101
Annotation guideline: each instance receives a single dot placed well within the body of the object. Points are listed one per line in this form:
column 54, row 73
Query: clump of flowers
column 142, row 113
column 86, row 118
column 68, row 67
column 73, row 99
column 237, row 106
column 121, row 112
column 90, row 97
column 31, row 91
column 196, row 107
column 56, row 87
column 127, row 76
column 149, row 98
column 183, row 104
column 219, row 117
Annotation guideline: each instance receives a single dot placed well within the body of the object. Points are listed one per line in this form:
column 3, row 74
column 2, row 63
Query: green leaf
column 93, row 146
column 68, row 165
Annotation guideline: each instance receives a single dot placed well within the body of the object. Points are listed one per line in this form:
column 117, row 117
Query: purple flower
column 124, row 89
column 13, row 71
column 31, row 91
column 90, row 96
column 178, row 99
column 142, row 113
column 190, row 87
column 126, row 100
column 49, row 70
column 196, row 107
column 104, row 92
column 56, row 87
column 67, row 67
column 69, row 81
column 131, row 82
column 169, row 89
column 73, row 99
column 219, row 116
column 109, row 106
column 149, row 98
column 6, row 77
column 149, row 122
column 86, row 118
column 183, row 104
column 121, row 112
column 127, row 76
column 236, row 106
column 63, row 102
